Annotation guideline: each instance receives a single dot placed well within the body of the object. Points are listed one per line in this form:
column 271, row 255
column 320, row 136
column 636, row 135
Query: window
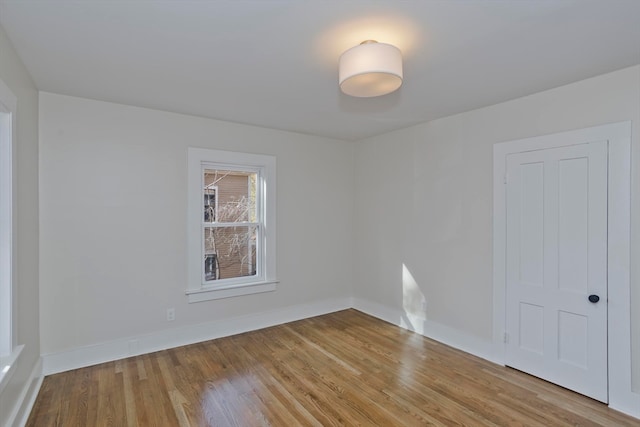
column 231, row 230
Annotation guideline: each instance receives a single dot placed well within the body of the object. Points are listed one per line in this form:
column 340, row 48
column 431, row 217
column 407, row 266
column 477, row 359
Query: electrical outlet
column 171, row 314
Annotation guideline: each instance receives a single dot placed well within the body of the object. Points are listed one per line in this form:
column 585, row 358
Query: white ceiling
column 274, row 63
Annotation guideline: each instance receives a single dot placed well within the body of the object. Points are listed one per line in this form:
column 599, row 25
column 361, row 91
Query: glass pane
column 230, row 252
column 230, row 196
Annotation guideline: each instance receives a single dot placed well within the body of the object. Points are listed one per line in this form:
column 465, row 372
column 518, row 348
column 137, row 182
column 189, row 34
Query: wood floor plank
column 344, row 368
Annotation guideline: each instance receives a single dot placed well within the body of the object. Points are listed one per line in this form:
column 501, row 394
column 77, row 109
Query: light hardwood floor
column 344, row 368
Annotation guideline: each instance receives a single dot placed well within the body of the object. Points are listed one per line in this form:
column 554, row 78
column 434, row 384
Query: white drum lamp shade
column 370, row 69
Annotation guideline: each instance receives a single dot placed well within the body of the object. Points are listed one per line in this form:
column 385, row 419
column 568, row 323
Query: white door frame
column 621, row 396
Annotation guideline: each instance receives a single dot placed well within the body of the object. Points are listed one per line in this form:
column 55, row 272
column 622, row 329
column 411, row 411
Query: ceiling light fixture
column 370, row 69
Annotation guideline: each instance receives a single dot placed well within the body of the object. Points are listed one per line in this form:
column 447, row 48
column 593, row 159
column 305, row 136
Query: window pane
column 229, row 252
column 229, row 196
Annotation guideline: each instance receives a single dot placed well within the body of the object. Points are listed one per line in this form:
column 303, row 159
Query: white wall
column 113, row 220
column 424, row 200
column 15, row 76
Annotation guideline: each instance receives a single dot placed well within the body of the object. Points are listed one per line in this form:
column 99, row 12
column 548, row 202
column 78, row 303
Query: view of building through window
column 230, row 223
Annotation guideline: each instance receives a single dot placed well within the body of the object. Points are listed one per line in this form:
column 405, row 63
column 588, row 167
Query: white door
column 556, row 266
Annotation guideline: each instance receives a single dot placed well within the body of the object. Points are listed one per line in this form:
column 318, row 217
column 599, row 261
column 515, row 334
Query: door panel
column 573, row 224
column 531, row 224
column 556, row 257
column 531, row 333
column 573, row 338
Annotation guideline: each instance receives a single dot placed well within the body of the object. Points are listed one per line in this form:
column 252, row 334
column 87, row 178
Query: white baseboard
column 135, row 345
column 22, row 409
column 436, row 331
column 629, row 404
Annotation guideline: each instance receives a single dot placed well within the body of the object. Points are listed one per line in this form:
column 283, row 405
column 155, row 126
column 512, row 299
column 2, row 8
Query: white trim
column 228, row 291
column 621, row 395
column 8, row 366
column 22, row 409
column 8, row 108
column 433, row 330
column 197, row 289
column 161, row 340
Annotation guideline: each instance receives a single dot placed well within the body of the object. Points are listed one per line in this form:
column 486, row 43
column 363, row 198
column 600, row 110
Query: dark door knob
column 594, row 298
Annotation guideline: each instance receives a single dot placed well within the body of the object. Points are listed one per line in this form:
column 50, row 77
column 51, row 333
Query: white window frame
column 9, row 351
column 265, row 280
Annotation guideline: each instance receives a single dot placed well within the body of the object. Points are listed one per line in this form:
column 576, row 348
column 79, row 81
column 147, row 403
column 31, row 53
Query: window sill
column 8, row 366
column 207, row 294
